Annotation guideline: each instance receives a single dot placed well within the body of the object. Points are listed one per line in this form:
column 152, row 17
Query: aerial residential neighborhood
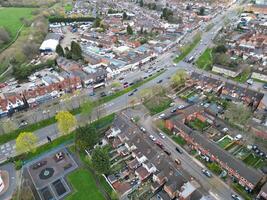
column 133, row 100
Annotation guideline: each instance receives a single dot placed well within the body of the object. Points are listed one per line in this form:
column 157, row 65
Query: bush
column 18, row 164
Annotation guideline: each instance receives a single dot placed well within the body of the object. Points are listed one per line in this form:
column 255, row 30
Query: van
column 238, row 137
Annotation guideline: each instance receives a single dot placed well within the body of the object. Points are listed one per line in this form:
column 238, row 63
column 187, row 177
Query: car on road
column 135, row 90
column 143, row 129
column 121, row 78
column 145, row 77
column 250, row 81
column 265, row 86
column 178, row 150
column 167, row 152
column 159, row 81
column 152, row 137
column 206, row 172
column 131, row 94
column 162, row 135
column 235, row 197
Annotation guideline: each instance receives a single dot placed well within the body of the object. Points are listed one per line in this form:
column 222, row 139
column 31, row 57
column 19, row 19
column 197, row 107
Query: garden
column 225, row 141
column 159, row 105
column 178, row 139
column 205, row 60
column 197, row 124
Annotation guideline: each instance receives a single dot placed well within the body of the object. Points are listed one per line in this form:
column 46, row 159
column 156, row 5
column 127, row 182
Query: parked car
column 235, row 197
column 152, row 137
column 103, row 94
column 135, row 90
column 162, row 135
column 238, row 137
column 206, row 172
column 167, row 152
column 23, row 123
column 180, row 107
column 250, row 81
column 265, row 86
column 178, row 150
column 143, row 129
column 225, row 130
column 177, row 161
column 173, row 110
column 131, row 94
column 162, row 116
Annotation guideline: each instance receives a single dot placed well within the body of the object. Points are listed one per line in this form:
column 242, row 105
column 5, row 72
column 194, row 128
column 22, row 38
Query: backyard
column 84, row 186
column 197, row 124
column 205, row 60
column 224, row 142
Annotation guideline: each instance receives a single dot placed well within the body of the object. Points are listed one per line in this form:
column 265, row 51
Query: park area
column 205, row 60
column 11, row 19
column 157, row 104
column 84, row 186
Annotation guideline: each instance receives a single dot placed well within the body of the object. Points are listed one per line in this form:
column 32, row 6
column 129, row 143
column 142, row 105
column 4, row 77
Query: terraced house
column 246, row 176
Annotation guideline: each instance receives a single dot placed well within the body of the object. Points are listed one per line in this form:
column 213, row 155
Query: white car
column 143, row 129
column 152, row 137
column 225, row 130
column 238, row 137
column 162, row 115
column 162, row 135
column 180, row 107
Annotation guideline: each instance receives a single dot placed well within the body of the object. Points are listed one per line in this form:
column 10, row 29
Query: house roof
column 142, row 172
column 250, row 174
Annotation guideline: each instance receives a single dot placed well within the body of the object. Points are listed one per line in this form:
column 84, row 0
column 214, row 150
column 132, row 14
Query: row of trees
column 75, row 51
column 70, row 20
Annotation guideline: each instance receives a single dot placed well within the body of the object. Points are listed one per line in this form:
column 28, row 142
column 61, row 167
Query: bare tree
column 30, row 49
column 4, row 35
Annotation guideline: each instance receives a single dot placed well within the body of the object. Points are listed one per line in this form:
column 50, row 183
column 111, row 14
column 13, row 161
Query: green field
column 179, row 140
column 205, row 60
column 158, row 106
column 254, row 161
column 198, row 125
column 84, row 186
column 10, row 18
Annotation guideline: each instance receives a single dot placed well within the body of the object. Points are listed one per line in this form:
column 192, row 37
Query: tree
column 87, row 108
column 59, row 50
column 85, row 137
column 124, row 16
column 179, row 78
column 141, row 3
column 66, row 122
column 146, row 94
column 100, row 160
column 129, row 30
column 76, row 51
column 201, row 11
column 26, row 142
column 97, row 22
column 220, row 49
column 238, row 114
column 4, row 36
column 30, row 49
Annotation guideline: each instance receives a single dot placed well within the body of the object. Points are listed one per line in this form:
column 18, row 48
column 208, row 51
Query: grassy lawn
column 215, row 168
column 33, row 127
column 10, row 18
column 253, row 160
column 187, row 94
column 188, row 48
column 105, row 185
column 179, row 140
column 243, row 77
column 158, row 106
column 84, row 186
column 224, row 142
column 68, row 7
column 205, row 60
column 198, row 125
